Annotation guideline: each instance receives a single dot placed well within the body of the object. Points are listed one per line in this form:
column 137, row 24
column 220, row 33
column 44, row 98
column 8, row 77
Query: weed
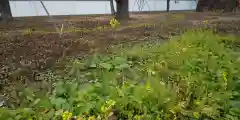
column 193, row 76
column 114, row 25
column 27, row 32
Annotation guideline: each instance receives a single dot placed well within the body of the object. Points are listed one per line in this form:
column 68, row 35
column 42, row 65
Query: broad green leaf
column 93, row 65
column 105, row 65
column 122, row 66
column 58, row 102
column 196, row 114
column 35, row 102
column 45, row 103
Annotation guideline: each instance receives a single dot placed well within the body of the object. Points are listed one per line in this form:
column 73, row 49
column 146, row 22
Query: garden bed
column 45, row 62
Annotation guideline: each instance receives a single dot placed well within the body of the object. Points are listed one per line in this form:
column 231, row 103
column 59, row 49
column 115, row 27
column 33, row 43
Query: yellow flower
column 108, row 105
column 137, row 117
column 224, row 74
column 114, row 23
column 66, row 115
column 111, row 102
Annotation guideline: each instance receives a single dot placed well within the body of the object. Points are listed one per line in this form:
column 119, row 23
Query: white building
column 34, row 8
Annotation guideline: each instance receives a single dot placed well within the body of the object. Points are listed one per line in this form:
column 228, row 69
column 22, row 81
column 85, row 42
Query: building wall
column 34, row 8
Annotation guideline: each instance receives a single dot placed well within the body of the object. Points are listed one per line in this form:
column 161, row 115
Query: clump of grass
column 27, row 32
column 193, row 76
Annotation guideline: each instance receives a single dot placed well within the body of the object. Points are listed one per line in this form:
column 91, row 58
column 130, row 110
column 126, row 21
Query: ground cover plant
column 193, row 76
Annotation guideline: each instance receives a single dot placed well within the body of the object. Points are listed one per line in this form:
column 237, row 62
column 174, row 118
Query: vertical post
column 49, row 15
column 168, row 5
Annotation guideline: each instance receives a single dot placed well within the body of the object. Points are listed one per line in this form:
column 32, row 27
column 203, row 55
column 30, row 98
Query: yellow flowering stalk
column 111, row 102
column 114, row 25
column 224, row 75
column 107, row 107
column 66, row 115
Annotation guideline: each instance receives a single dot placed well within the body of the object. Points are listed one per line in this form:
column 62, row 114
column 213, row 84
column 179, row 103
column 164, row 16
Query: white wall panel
column 34, row 8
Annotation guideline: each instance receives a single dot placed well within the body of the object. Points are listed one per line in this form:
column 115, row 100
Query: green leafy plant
column 194, row 76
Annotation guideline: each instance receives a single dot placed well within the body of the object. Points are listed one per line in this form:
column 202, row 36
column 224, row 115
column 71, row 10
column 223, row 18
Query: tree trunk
column 122, row 10
column 168, row 5
column 198, row 9
column 112, row 7
column 5, row 11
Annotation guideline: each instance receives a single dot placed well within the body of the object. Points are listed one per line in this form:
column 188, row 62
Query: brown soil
column 42, row 47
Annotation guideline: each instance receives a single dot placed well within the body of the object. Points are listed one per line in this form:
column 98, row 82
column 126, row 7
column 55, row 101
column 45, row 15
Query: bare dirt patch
column 38, row 51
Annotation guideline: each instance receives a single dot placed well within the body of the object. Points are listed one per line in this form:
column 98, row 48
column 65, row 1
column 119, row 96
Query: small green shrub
column 194, row 76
